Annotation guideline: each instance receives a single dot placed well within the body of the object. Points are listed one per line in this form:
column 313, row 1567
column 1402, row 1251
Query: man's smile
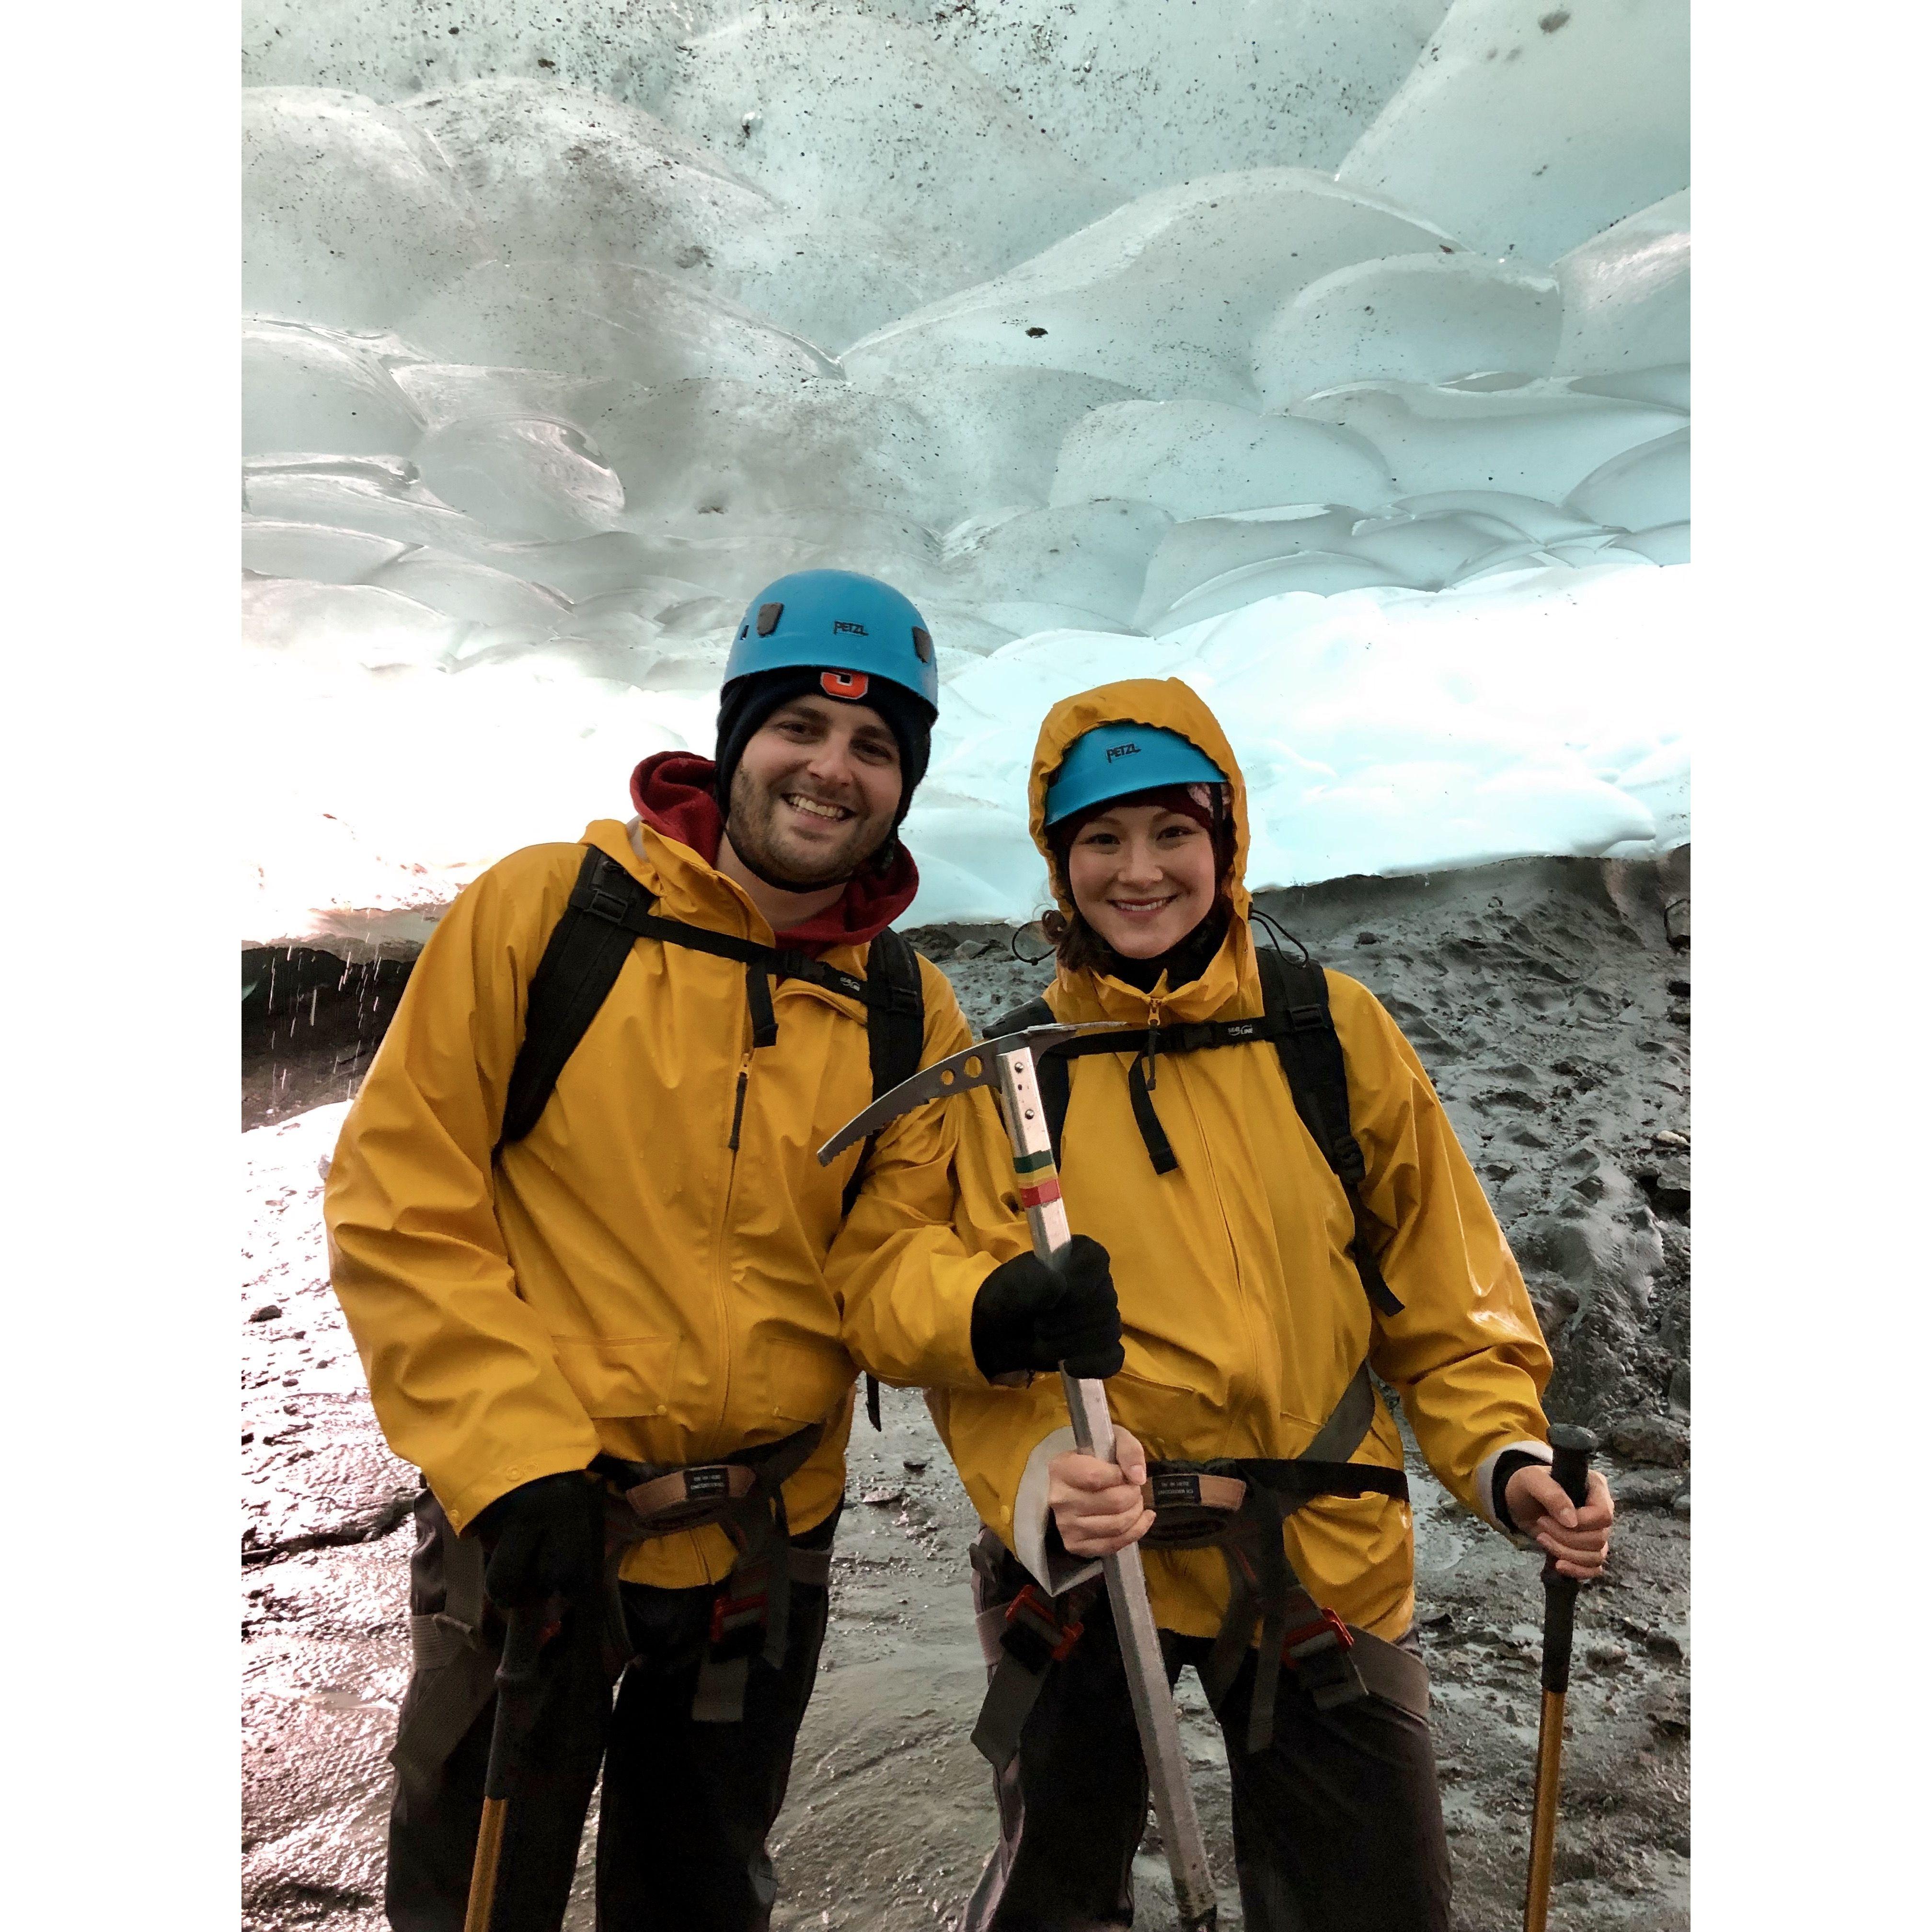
column 817, row 807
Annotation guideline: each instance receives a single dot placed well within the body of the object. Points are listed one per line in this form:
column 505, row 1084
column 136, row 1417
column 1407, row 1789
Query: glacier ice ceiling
column 1334, row 356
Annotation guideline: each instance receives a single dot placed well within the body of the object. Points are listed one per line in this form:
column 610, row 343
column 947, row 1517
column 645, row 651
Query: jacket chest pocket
column 622, row 1376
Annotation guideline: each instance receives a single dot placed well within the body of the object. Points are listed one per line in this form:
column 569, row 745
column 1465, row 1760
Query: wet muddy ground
column 1550, row 1002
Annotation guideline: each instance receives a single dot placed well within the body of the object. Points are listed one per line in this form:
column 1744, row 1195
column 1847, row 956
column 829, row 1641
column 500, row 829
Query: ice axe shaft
column 1570, row 1466
column 516, row 1676
column 1009, row 1063
column 1127, row 1580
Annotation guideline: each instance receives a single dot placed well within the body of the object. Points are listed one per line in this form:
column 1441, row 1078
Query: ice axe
column 1570, row 1466
column 516, row 1681
column 1010, row 1064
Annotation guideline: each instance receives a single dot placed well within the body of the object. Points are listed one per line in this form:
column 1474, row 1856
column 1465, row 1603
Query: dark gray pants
column 1338, row 1824
column 686, row 1806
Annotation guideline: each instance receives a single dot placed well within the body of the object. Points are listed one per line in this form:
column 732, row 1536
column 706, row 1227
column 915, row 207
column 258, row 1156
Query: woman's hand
column 1579, row 1539
column 1096, row 1505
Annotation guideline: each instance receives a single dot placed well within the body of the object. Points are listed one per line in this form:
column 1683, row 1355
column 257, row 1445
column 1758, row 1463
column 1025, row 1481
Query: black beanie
column 747, row 702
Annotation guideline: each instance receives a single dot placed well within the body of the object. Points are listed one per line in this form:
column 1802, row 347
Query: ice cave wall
column 1332, row 356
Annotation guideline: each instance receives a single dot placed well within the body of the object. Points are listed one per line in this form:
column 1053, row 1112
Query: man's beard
column 752, row 828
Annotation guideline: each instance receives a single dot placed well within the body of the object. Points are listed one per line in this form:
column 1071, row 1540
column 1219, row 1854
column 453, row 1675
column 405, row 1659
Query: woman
column 1246, row 1322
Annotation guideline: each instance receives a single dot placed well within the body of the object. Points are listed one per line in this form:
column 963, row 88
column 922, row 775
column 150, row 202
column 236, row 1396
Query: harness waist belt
column 1195, row 1504
column 1238, row 1506
column 690, row 1498
column 743, row 1494
column 1190, row 1509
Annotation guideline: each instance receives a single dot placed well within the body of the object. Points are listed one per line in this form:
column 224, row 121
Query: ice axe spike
column 1572, row 1449
column 1010, row 1062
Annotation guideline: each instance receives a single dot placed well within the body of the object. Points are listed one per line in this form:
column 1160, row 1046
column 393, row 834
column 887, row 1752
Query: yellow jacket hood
column 1166, row 703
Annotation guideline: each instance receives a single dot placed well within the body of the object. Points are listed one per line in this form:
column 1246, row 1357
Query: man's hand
column 1096, row 1505
column 1028, row 1315
column 544, row 1539
column 1579, row 1539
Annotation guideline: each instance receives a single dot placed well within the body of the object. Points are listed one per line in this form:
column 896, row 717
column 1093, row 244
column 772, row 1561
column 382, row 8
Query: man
column 569, row 1282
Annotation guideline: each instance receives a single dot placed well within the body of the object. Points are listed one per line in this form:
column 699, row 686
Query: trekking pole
column 516, row 1676
column 1570, row 1466
column 1010, row 1062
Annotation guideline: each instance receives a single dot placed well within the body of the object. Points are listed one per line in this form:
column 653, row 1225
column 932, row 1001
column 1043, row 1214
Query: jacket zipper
column 720, row 1239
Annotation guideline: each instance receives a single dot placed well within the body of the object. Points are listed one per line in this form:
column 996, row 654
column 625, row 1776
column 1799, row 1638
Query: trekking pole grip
column 1572, row 1449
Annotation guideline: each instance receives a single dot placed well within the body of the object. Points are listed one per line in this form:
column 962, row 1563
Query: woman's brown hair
column 1079, row 948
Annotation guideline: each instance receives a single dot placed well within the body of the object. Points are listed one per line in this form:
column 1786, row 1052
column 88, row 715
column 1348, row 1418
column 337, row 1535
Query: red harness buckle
column 1029, row 1603
column 723, row 1608
column 1308, row 1633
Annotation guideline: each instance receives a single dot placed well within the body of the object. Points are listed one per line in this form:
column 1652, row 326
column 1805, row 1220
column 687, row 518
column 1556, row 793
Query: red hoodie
column 675, row 794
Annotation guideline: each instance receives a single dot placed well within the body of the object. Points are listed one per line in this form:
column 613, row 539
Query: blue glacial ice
column 1626, row 294
column 1164, row 294
column 1427, row 318
column 1334, row 357
column 1527, row 126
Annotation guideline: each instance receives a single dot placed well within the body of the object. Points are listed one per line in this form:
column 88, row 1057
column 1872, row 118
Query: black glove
column 1028, row 1315
column 543, row 1539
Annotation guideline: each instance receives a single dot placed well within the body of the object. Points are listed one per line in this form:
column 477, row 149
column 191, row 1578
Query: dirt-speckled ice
column 1333, row 356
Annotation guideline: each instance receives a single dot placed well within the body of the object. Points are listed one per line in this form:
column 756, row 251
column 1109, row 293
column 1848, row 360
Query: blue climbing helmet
column 1115, row 761
column 854, row 627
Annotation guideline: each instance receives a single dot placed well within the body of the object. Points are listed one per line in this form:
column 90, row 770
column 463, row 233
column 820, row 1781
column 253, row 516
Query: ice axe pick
column 1010, row 1064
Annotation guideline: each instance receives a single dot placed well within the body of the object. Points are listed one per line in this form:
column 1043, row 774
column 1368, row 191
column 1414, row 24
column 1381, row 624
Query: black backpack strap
column 1296, row 991
column 895, row 1010
column 586, row 952
column 607, row 892
column 895, row 1034
column 1189, row 1036
column 1153, row 1136
column 608, row 909
column 895, row 1029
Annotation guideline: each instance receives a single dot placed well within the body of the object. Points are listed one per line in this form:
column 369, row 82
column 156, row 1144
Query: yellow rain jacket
column 1244, row 1319
column 621, row 1280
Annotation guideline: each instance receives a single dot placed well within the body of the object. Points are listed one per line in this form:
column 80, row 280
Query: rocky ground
column 1550, row 1001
